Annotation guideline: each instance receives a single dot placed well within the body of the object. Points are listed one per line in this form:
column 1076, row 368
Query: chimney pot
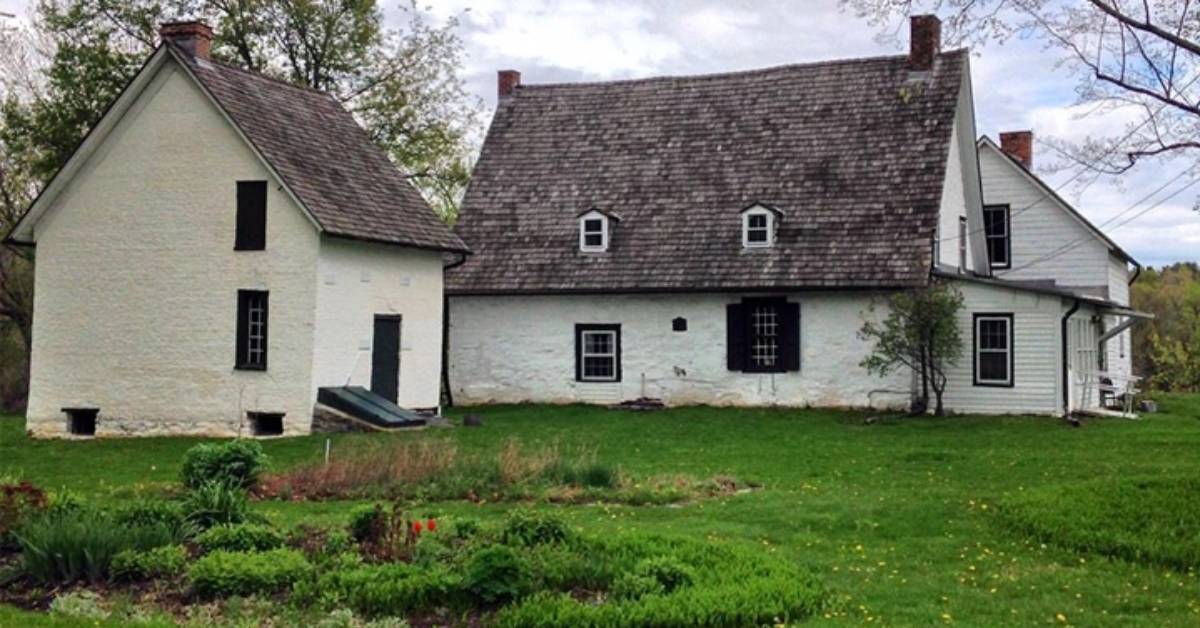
column 193, row 36
column 507, row 82
column 925, row 42
column 1019, row 146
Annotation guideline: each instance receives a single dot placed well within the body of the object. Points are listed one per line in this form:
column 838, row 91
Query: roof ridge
column 732, row 73
column 251, row 73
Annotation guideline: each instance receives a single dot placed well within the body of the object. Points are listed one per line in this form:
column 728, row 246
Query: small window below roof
column 593, row 232
column 758, row 227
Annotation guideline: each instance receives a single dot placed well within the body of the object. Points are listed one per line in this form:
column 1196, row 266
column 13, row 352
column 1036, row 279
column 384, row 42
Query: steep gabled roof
column 325, row 160
column 1045, row 188
column 852, row 153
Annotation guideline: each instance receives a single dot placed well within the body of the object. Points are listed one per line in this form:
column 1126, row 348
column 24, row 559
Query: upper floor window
column 758, row 226
column 593, row 231
column 996, row 227
column 251, row 216
column 252, row 330
column 962, row 244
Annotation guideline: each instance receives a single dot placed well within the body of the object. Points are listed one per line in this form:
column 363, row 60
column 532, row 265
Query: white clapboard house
column 719, row 239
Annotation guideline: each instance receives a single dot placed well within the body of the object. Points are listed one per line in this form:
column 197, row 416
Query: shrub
column 320, row 543
column 155, row 512
column 236, row 463
column 498, row 574
column 60, row 548
column 366, row 521
column 667, row 571
column 388, row 589
column 632, row 586
column 240, row 537
column 167, row 561
column 215, row 504
column 530, row 527
column 224, row 574
column 19, row 500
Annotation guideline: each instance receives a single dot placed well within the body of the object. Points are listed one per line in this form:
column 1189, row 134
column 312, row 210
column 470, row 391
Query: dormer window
column 758, row 226
column 594, row 231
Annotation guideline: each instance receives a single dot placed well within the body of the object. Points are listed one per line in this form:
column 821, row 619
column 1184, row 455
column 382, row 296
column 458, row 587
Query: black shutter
column 578, row 353
column 735, row 336
column 251, row 216
column 790, row 337
column 243, row 327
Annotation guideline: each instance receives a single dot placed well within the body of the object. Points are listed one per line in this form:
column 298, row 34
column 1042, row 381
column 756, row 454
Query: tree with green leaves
column 920, row 333
column 1168, row 346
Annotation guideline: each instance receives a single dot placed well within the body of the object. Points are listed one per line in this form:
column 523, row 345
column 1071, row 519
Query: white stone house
column 719, row 240
column 219, row 248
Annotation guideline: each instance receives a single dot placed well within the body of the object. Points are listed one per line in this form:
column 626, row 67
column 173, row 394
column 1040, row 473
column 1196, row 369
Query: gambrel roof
column 853, row 154
column 325, row 160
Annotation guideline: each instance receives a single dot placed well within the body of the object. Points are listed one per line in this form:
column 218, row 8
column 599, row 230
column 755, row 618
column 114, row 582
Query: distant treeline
column 1166, row 350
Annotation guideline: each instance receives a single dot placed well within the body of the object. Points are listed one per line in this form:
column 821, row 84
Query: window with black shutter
column 763, row 336
column 252, row 330
column 597, row 353
column 251, row 216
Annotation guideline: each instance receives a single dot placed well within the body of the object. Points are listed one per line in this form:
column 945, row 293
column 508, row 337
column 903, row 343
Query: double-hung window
column 594, row 231
column 996, row 227
column 251, row 216
column 597, row 353
column 252, row 330
column 993, row 349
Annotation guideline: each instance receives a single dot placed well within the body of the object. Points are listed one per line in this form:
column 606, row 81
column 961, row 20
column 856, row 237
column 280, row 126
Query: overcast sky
column 1016, row 85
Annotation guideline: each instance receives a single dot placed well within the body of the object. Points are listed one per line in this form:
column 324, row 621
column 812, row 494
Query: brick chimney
column 925, row 42
column 507, row 82
column 1019, row 146
column 193, row 36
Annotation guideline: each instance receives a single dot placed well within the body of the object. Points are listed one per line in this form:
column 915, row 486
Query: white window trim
column 585, row 354
column 1006, row 351
column 758, row 211
column 604, row 224
column 962, row 244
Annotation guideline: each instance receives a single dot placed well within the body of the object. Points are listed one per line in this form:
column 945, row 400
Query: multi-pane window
column 962, row 243
column 764, row 336
column 993, row 350
column 252, row 330
column 251, row 216
column 756, row 228
column 593, row 232
column 996, row 229
column 598, row 353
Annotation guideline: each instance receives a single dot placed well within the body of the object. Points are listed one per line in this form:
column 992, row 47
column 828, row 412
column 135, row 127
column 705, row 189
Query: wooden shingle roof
column 324, row 157
column 852, row 153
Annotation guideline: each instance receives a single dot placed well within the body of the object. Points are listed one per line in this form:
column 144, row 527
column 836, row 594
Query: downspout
column 1137, row 271
column 446, row 331
column 1066, row 356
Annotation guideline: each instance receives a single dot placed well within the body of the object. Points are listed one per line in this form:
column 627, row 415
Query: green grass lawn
column 900, row 518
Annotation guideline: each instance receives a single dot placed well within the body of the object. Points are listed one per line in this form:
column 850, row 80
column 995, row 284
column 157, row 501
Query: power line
column 1070, row 246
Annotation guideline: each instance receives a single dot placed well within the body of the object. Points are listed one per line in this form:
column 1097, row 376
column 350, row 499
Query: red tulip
column 416, row 527
column 431, row 525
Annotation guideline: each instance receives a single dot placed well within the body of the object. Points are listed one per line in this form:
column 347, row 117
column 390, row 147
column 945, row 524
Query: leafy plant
column 18, row 501
column 216, row 503
column 388, row 589
column 167, row 561
column 155, row 512
column 240, row 537
column 498, row 574
column 667, row 571
column 632, row 586
column 236, row 463
column 531, row 527
column 224, row 574
column 60, row 548
column 83, row 605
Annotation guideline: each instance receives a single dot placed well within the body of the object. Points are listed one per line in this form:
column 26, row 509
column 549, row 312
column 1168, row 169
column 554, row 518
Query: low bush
column 60, row 548
column 240, row 537
column 155, row 512
column 531, row 527
column 79, row 605
column 365, row 521
column 235, row 463
column 216, row 504
column 381, row 590
column 498, row 574
column 225, row 574
column 168, row 561
column 667, row 571
column 1146, row 520
column 632, row 586
column 19, row 500
column 320, row 543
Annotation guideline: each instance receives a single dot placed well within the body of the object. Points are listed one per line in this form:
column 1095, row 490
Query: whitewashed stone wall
column 137, row 280
column 510, row 349
column 358, row 280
